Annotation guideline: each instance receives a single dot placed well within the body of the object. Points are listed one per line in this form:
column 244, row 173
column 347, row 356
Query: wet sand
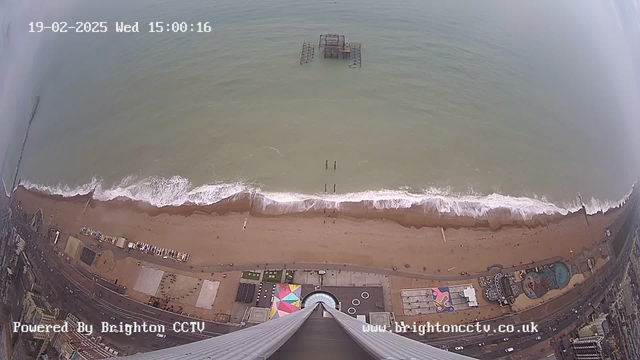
column 406, row 240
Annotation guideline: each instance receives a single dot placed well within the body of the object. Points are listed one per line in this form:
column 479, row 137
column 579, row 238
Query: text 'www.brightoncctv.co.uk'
column 422, row 329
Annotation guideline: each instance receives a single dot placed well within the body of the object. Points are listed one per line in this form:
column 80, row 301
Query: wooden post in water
column 326, row 164
column 334, row 188
column 584, row 208
column 24, row 142
column 89, row 200
column 335, row 164
column 325, row 187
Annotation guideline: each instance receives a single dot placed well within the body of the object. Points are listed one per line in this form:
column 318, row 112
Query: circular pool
column 562, row 274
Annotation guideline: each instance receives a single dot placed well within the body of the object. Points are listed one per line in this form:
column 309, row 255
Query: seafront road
column 111, row 305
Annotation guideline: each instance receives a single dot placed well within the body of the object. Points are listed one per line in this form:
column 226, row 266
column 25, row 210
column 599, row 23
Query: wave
column 177, row 191
column 157, row 191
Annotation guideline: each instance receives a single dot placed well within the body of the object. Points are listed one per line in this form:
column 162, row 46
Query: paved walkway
column 121, row 254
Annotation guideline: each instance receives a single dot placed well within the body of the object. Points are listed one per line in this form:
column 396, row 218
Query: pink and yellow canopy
column 286, row 300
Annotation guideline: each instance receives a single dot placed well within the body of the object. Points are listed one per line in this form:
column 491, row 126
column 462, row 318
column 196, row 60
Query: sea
column 464, row 106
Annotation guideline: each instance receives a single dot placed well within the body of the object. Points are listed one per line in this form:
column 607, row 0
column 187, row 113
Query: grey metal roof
column 387, row 345
column 252, row 343
column 261, row 341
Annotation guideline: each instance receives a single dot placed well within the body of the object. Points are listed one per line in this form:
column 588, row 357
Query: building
column 37, row 312
column 72, row 345
column 588, row 348
column 470, row 294
column 317, row 331
column 72, row 320
column 598, row 327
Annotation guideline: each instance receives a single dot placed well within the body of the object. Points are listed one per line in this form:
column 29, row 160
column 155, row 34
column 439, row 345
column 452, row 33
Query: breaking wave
column 157, row 191
column 177, row 190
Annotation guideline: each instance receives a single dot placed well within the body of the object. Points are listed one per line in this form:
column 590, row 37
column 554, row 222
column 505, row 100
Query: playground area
column 540, row 280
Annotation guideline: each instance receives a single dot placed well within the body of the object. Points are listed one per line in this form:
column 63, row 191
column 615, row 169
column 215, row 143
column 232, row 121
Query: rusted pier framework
column 333, row 46
column 307, row 53
column 355, row 55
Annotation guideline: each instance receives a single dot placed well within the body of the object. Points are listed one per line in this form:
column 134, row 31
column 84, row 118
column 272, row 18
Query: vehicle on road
column 458, row 348
column 538, row 337
column 508, row 350
column 161, row 335
column 505, row 339
column 481, row 344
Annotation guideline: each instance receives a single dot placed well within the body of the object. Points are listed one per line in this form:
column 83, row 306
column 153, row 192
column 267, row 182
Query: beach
column 216, row 234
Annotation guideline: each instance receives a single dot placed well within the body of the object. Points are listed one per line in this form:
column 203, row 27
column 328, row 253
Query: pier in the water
column 307, row 53
column 333, row 46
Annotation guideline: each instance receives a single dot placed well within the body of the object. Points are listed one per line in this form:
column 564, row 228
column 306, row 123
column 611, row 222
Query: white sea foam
column 177, row 190
column 431, row 200
column 157, row 191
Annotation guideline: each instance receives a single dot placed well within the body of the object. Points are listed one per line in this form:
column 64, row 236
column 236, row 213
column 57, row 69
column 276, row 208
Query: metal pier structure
column 355, row 56
column 307, row 53
column 333, row 46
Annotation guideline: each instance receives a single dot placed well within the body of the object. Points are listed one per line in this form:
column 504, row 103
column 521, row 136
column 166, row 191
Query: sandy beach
column 216, row 235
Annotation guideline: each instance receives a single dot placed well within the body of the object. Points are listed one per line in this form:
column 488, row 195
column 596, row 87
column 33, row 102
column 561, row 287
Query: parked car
column 458, row 348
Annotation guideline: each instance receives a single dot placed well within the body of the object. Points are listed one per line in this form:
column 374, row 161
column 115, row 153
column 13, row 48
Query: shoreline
column 176, row 192
column 227, row 233
column 258, row 205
